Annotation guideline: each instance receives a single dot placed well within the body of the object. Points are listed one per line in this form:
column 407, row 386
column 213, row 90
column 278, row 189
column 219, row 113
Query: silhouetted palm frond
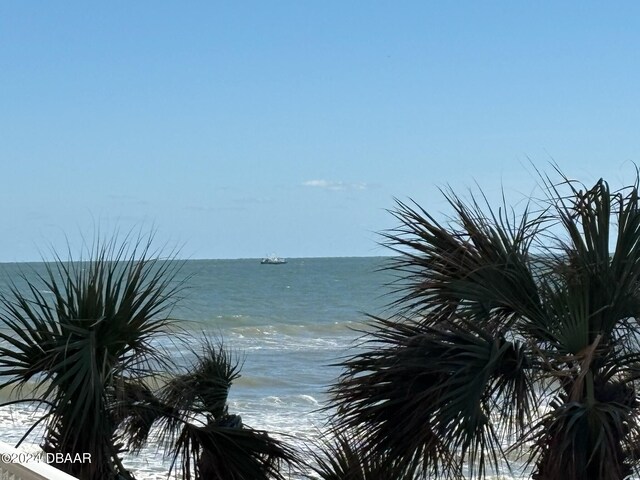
column 79, row 331
column 344, row 458
column 204, row 439
column 518, row 331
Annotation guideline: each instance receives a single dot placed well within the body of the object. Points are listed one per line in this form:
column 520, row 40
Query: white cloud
column 331, row 185
column 320, row 183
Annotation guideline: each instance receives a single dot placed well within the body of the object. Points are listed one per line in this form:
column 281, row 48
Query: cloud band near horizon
column 334, row 185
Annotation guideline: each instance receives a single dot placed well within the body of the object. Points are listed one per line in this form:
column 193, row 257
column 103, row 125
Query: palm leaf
column 95, row 327
column 428, row 392
column 494, row 316
column 344, row 458
column 199, row 435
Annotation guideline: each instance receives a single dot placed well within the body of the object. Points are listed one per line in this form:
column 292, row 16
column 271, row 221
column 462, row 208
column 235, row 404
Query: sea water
column 288, row 324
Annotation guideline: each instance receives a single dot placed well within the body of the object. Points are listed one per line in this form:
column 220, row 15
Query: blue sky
column 237, row 129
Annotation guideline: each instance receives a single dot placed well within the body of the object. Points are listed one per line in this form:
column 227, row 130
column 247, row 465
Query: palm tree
column 199, row 433
column 510, row 337
column 84, row 336
column 83, row 333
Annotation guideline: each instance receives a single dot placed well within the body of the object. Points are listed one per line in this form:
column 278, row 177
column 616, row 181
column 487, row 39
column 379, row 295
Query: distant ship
column 272, row 260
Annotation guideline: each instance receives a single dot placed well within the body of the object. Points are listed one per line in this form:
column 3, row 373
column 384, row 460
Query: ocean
column 286, row 323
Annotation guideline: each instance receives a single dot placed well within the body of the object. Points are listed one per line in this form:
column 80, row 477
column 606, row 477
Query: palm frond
column 429, row 392
column 344, row 458
column 203, row 439
column 482, row 267
column 94, row 326
column 236, row 452
column 582, row 441
column 484, row 332
column 204, row 388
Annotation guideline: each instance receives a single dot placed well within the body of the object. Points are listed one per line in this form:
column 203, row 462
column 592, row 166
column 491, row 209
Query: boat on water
column 273, row 260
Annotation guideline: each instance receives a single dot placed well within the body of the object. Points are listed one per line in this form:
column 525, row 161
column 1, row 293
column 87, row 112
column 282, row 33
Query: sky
column 240, row 129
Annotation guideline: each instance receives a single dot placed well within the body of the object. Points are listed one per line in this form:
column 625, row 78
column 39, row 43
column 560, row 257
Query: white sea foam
column 309, row 398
